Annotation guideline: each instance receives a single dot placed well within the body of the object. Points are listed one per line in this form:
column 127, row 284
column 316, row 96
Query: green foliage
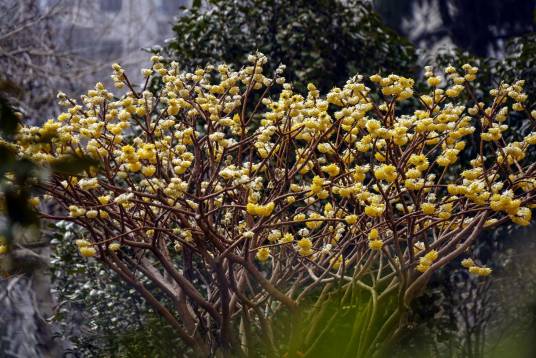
column 15, row 175
column 8, row 120
column 320, row 41
column 98, row 313
column 153, row 338
column 73, row 165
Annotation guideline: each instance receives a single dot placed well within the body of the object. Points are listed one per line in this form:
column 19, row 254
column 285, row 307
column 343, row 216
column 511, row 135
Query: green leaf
column 8, row 158
column 73, row 164
column 18, row 208
column 8, row 119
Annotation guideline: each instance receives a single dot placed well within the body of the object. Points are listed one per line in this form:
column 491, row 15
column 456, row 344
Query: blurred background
column 53, row 304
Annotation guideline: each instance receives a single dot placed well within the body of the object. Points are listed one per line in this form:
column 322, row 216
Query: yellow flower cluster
column 305, row 247
column 375, row 243
column 470, row 265
column 85, row 248
column 427, row 260
column 260, row 210
column 336, row 262
column 386, row 172
column 263, row 254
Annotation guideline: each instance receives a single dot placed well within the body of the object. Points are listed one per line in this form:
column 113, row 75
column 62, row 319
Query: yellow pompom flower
column 299, row 217
column 316, row 186
column 468, row 262
column 260, row 210
column 480, row 271
column 386, row 172
column 114, row 246
column 305, row 247
column 374, row 234
column 149, row 170
column 87, row 251
column 332, row 169
column 375, row 244
column 263, row 254
column 336, row 262
column 305, row 243
column 374, row 210
column 522, row 217
column 288, row 237
column 434, row 81
column 419, row 161
column 314, row 224
column 350, row 219
column 428, row 208
column 427, row 260
column 92, row 214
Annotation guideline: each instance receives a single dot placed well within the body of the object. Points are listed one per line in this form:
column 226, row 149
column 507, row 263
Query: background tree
column 481, row 27
column 320, row 41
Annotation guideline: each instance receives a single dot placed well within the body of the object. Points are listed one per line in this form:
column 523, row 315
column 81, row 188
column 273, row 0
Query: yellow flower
column 414, row 184
column 375, row 244
column 480, row 271
column 76, row 211
column 134, row 167
column 428, row 208
column 124, row 116
column 332, row 169
column 522, row 217
column 374, row 210
column 432, row 255
column 263, row 254
column 114, row 246
column 374, row 234
column 316, row 186
column 427, row 260
column 305, row 244
column 3, row 249
column 468, row 262
column 87, row 251
column 375, row 78
column 316, row 223
column 104, row 199
column 299, row 217
column 433, row 81
column 34, row 201
column 288, row 237
column 350, row 219
column 419, row 161
column 336, row 262
column 92, row 214
column 422, row 268
column 386, row 172
column 149, row 170
column 260, row 210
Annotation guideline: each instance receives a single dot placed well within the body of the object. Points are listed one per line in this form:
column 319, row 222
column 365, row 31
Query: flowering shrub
column 240, row 199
